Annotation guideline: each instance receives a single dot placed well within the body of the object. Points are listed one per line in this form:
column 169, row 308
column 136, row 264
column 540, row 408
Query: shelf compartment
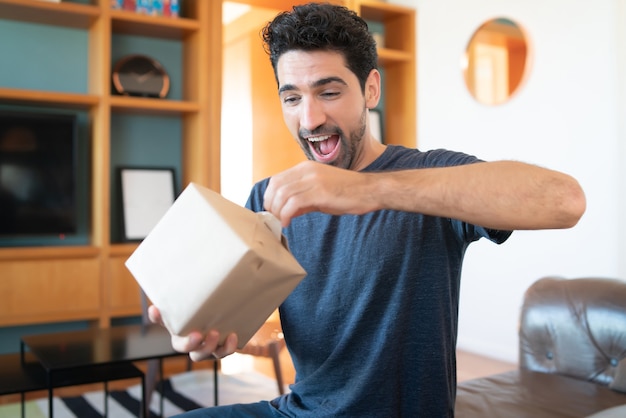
column 48, row 98
column 130, row 23
column 398, row 23
column 41, row 288
column 68, row 14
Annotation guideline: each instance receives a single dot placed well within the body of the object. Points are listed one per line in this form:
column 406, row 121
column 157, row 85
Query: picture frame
column 376, row 124
column 146, row 193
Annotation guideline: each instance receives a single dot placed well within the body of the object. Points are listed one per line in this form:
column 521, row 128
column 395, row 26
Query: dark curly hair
column 323, row 26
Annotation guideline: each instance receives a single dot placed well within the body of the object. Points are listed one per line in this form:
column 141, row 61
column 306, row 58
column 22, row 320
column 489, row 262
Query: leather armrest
column 527, row 394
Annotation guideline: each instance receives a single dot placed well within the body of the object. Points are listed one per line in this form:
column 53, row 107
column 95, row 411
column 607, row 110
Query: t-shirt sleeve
column 469, row 232
column 255, row 199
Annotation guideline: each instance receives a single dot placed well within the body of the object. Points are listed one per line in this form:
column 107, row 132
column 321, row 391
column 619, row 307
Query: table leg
column 50, row 406
column 162, row 386
column 106, row 399
column 215, row 370
column 22, row 362
column 143, row 412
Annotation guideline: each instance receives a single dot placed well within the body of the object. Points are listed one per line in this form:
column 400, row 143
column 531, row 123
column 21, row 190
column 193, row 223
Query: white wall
column 620, row 24
column 569, row 116
column 236, row 124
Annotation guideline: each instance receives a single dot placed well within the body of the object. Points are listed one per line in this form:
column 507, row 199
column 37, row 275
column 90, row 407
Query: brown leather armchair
column 572, row 355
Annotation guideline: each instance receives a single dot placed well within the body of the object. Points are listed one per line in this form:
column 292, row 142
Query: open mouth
column 324, row 147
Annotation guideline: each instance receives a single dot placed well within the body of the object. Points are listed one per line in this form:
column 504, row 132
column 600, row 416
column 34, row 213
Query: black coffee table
column 97, row 355
column 24, row 373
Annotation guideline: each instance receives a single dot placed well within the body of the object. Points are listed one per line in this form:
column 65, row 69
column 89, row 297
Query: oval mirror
column 495, row 61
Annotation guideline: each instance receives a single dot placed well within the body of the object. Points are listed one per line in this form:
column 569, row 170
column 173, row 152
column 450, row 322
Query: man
column 380, row 230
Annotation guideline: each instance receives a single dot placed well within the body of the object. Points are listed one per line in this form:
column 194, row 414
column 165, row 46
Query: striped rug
column 183, row 392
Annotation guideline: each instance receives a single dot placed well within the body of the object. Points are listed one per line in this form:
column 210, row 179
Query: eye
column 330, row 94
column 291, row 99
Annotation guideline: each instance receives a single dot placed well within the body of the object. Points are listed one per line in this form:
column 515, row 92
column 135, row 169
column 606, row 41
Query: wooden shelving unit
column 90, row 282
column 47, row 284
column 397, row 60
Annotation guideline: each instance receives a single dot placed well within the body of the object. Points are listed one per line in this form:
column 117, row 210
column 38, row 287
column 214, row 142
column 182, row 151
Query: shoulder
column 255, row 199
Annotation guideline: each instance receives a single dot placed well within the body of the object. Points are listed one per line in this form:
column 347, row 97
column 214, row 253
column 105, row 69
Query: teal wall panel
column 43, row 57
column 142, row 141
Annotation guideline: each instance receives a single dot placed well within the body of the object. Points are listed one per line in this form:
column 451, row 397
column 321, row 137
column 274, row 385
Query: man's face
column 323, row 106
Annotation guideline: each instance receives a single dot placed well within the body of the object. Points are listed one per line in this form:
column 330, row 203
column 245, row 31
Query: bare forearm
column 501, row 195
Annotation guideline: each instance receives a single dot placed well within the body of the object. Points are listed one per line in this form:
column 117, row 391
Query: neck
column 371, row 150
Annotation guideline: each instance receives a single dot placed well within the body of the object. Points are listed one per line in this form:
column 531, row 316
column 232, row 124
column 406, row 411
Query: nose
column 312, row 114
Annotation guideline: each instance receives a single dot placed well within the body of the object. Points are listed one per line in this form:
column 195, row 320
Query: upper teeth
column 319, row 138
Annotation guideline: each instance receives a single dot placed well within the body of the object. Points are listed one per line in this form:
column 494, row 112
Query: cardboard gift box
column 212, row 264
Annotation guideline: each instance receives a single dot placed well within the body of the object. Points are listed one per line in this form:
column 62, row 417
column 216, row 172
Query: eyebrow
column 318, row 83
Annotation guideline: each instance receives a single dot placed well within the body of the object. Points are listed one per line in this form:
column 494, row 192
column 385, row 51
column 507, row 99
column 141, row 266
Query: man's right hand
column 199, row 346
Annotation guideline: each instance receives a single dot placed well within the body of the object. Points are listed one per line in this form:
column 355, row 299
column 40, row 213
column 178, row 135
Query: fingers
column 194, row 341
column 311, row 186
column 209, row 349
column 202, row 347
column 292, row 192
column 285, row 211
column 154, row 315
column 273, row 201
column 228, row 348
column 198, row 346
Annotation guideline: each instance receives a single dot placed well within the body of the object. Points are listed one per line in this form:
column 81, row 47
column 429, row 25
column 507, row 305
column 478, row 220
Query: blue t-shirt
column 372, row 327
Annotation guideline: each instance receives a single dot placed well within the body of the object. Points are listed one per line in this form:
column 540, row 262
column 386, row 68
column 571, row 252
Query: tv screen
column 37, row 174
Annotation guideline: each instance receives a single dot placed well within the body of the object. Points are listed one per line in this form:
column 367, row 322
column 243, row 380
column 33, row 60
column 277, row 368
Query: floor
column 472, row 366
column 469, row 366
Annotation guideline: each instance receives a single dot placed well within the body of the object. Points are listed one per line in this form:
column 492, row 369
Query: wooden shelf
column 388, row 56
column 73, row 15
column 29, row 319
column 141, row 105
column 48, row 98
column 41, row 253
column 123, row 250
column 130, row 23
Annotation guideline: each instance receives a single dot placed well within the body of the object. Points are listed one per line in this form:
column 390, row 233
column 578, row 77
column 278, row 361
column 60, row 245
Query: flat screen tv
column 37, row 174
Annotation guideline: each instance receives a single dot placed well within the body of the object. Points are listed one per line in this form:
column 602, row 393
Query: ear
column 372, row 89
